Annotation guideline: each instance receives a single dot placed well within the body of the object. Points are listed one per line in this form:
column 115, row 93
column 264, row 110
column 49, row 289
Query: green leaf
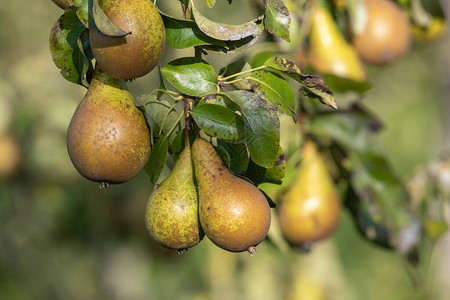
column 192, row 76
column 238, row 156
column 237, row 67
column 159, row 113
column 82, row 11
column 227, row 32
column 276, row 90
column 157, row 158
column 314, row 84
column 102, row 22
column 277, row 19
column 233, row 46
column 210, row 3
column 262, row 127
column 185, row 34
column 66, row 53
column 219, row 121
column 259, row 174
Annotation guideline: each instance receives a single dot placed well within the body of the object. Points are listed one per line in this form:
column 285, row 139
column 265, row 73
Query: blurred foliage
column 61, row 237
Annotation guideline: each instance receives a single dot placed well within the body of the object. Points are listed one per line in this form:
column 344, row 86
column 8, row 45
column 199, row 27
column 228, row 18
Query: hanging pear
column 171, row 216
column 137, row 53
column 386, row 36
column 108, row 140
column 311, row 209
column 329, row 51
column 234, row 214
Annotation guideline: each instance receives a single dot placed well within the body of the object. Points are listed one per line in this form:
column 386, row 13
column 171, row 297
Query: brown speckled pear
column 137, row 53
column 108, row 140
column 234, row 214
column 171, row 216
column 311, row 209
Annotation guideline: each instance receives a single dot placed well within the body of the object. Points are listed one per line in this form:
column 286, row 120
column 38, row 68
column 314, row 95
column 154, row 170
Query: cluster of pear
column 384, row 35
column 108, row 139
column 201, row 196
column 310, row 210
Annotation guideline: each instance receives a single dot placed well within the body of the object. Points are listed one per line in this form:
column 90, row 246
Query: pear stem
column 188, row 105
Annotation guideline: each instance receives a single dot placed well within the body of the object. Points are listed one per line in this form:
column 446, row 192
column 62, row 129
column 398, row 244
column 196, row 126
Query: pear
column 329, row 51
column 108, row 140
column 310, row 210
column 136, row 53
column 171, row 216
column 234, row 214
column 387, row 33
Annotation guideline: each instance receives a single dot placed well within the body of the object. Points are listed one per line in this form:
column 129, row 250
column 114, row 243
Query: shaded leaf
column 185, row 34
column 233, row 46
column 238, row 156
column 66, row 53
column 277, row 19
column 219, row 121
column 262, row 127
column 192, row 76
column 157, row 158
column 227, row 32
column 274, row 174
column 340, row 84
column 237, row 67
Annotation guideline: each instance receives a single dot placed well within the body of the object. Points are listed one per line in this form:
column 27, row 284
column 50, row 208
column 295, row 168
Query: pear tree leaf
column 64, row 47
column 104, row 24
column 262, row 127
column 275, row 90
column 277, row 19
column 192, row 76
column 82, row 11
column 162, row 84
column 237, row 67
column 274, row 174
column 227, row 32
column 224, row 155
column 219, row 121
column 157, row 159
column 313, row 84
column 233, row 46
column 238, row 153
column 159, row 113
column 185, row 34
column 210, row 3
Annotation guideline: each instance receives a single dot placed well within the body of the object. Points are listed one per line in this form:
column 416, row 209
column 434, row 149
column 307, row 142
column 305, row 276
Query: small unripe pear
column 234, row 214
column 311, row 209
column 108, row 140
column 171, row 216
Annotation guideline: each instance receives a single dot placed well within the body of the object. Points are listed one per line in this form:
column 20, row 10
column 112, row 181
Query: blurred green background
column 61, row 237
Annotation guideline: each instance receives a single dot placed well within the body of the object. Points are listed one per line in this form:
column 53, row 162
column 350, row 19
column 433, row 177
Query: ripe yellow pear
column 311, row 209
column 329, row 51
column 234, row 214
column 171, row 216
column 108, row 140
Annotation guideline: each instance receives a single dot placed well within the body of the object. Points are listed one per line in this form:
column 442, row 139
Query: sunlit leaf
column 103, row 23
column 227, row 32
column 192, row 76
column 277, row 19
column 274, row 89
